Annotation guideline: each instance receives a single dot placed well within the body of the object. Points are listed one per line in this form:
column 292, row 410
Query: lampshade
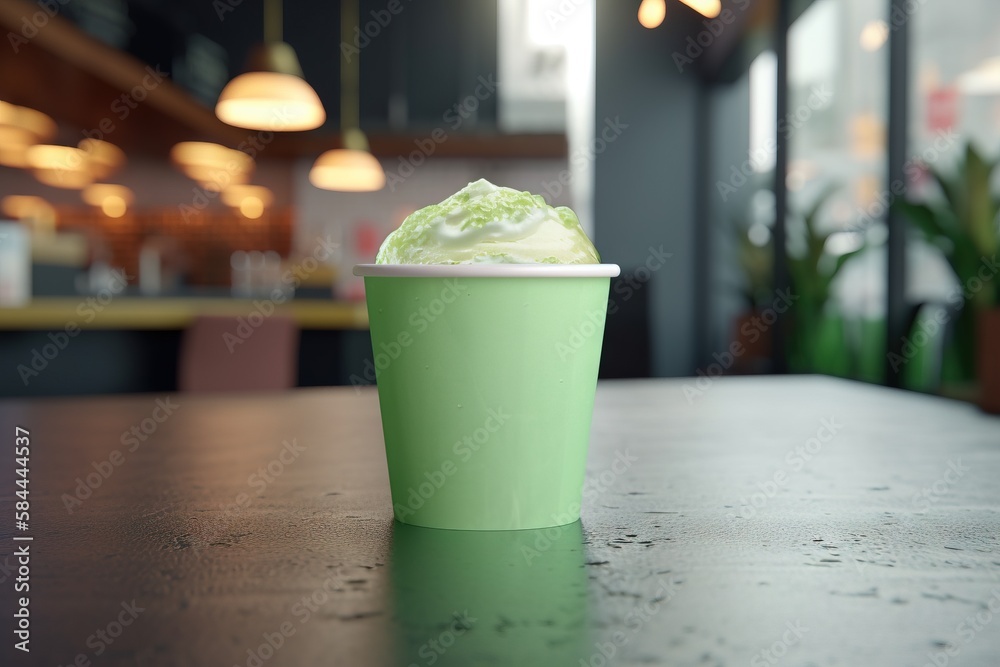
column 251, row 200
column 347, row 170
column 14, row 154
column 105, row 158
column 272, row 95
column 21, row 127
column 213, row 166
column 60, row 166
column 709, row 8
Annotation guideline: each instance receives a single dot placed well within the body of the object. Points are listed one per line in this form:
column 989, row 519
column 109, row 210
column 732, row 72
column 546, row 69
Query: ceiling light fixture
column 105, row 158
column 707, row 8
column 652, row 13
column 21, row 127
column 272, row 94
column 352, row 168
column 251, row 200
column 113, row 200
column 212, row 166
column 60, row 166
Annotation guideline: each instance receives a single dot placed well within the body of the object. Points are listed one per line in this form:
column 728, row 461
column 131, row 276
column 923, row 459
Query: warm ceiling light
column 60, row 166
column 874, row 34
column 251, row 200
column 270, row 101
column 351, row 168
column 252, row 208
column 213, row 166
column 272, row 94
column 13, row 154
column 214, row 179
column 24, row 207
column 347, row 170
column 652, row 13
column 105, row 158
column 113, row 200
column 709, row 8
column 206, row 154
column 21, row 127
column 234, row 194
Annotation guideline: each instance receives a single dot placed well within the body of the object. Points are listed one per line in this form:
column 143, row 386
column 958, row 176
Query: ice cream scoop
column 486, row 224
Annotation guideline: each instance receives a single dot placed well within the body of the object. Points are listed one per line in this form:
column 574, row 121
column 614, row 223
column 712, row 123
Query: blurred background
column 794, row 186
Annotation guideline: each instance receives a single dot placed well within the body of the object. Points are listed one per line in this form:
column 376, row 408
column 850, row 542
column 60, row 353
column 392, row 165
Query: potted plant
column 816, row 341
column 963, row 224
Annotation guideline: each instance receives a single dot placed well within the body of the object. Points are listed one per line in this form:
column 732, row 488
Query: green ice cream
column 486, row 224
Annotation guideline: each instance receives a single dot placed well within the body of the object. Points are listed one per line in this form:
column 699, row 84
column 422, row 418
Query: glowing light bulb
column 652, row 13
column 708, row 8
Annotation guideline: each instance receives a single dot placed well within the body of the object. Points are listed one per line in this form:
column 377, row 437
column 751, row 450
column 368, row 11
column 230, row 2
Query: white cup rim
column 488, row 270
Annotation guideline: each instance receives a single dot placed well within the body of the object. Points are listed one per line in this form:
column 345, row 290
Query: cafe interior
column 801, row 194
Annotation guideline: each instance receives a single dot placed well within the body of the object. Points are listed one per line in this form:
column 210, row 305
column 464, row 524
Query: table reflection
column 490, row 598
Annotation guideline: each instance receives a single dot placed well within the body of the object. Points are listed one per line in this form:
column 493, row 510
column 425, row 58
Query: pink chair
column 220, row 354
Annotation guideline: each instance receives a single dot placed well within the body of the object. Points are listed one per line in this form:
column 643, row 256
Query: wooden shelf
column 51, row 313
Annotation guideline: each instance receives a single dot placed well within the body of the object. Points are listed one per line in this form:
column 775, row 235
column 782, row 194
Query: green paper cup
column 486, row 377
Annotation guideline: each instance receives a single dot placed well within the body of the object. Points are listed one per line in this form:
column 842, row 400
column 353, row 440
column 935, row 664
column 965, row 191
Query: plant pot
column 754, row 338
column 989, row 360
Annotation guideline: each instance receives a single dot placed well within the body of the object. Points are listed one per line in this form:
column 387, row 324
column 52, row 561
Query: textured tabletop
column 791, row 521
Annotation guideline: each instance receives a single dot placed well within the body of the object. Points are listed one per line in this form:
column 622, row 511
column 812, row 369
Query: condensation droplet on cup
column 459, row 405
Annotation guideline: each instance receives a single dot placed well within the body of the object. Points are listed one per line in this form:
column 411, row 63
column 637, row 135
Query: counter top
column 88, row 312
column 762, row 521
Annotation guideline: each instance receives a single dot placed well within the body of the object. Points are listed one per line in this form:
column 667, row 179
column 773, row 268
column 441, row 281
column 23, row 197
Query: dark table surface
column 791, row 521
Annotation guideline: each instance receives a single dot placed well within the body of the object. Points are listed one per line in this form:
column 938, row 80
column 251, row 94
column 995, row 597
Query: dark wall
column 646, row 185
column 427, row 55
